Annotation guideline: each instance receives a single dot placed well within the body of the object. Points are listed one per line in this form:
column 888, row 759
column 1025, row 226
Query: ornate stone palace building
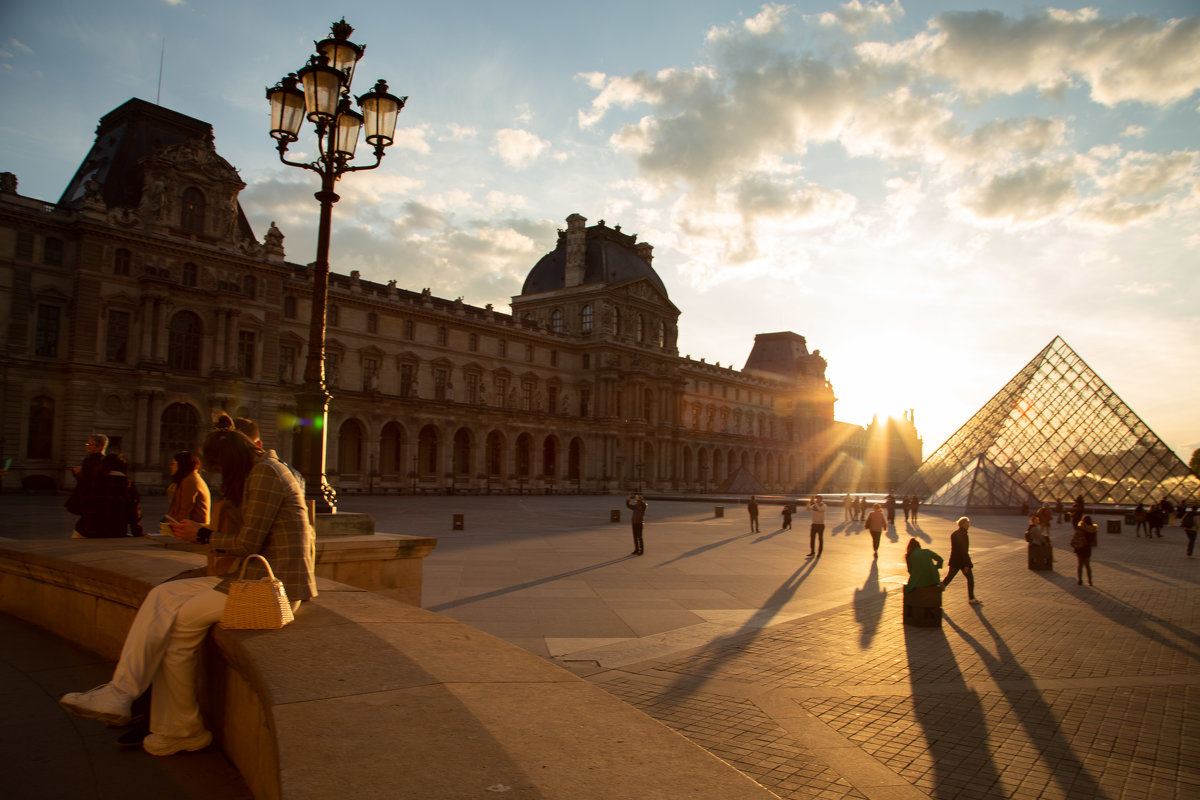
column 141, row 302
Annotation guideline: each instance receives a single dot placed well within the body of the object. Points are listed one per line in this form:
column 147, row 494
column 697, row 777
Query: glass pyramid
column 1054, row 432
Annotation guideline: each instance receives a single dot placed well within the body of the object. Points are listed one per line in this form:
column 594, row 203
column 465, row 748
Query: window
column 587, row 320
column 473, row 342
column 529, row 352
column 183, row 342
column 410, row 329
column 289, row 307
column 250, row 287
column 40, row 439
column 391, row 449
column 372, row 322
column 586, row 360
column 331, row 369
column 287, row 364
column 408, row 380
column 441, row 377
column 501, row 392
column 585, row 402
column 191, row 215
column 370, row 375
column 246, row 346
column 472, row 387
column 662, row 334
column 190, row 274
column 46, row 335
column 25, row 245
column 554, row 358
column 526, row 395
column 441, row 335
column 122, row 259
column 179, row 428
column 556, row 321
column 116, row 343
column 501, row 348
column 52, row 251
column 332, row 315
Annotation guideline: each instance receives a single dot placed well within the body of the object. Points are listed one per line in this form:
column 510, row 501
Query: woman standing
column 162, row 646
column 187, row 493
column 1081, row 543
column 875, row 523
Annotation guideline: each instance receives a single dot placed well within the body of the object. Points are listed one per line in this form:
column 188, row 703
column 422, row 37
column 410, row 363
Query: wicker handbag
column 257, row 605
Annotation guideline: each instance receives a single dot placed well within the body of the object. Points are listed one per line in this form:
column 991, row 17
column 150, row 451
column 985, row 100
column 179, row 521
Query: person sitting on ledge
column 163, row 644
column 923, row 566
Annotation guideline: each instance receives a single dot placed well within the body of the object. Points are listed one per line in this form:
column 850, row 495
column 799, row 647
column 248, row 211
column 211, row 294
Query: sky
column 929, row 192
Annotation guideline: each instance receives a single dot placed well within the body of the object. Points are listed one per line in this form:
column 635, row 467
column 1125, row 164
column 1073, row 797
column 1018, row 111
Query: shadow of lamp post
column 320, row 93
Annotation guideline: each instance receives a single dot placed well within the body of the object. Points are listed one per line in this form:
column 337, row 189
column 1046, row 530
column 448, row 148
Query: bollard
column 719, row 511
column 1114, row 526
column 614, row 515
column 458, row 522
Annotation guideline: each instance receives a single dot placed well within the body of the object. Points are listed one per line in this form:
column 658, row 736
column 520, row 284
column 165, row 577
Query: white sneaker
column 105, row 703
column 158, row 745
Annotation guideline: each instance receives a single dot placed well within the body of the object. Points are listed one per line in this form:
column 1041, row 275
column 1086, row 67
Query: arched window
column 462, row 452
column 350, row 447
column 40, row 439
column 587, row 319
column 556, row 321
column 391, row 449
column 179, row 428
column 191, row 215
column 183, row 342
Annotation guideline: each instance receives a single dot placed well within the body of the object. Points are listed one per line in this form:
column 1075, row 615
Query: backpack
column 1079, row 540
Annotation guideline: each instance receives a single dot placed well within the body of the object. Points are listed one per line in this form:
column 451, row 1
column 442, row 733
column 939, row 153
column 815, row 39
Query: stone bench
column 363, row 696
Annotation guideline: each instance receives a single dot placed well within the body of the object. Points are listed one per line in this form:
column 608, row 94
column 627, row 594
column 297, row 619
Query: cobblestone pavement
column 1049, row 690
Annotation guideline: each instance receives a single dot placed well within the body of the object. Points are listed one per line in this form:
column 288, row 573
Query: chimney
column 576, row 250
column 646, row 252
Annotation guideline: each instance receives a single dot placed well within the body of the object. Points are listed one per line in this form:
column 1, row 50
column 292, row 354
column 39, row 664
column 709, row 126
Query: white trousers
column 162, row 648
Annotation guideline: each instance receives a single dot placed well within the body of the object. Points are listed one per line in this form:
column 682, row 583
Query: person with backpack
column 1081, row 543
column 1189, row 524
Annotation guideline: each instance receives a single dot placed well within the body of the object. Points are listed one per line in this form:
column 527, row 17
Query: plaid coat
column 275, row 525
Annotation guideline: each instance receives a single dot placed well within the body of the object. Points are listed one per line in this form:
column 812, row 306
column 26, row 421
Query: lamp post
column 320, row 93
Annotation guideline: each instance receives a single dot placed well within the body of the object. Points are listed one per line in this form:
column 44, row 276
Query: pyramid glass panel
column 1054, row 432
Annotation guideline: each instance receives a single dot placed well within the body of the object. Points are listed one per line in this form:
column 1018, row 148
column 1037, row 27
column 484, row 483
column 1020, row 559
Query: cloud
column 1028, row 195
column 413, row 138
column 1134, row 59
column 856, row 17
column 1133, row 132
column 518, row 148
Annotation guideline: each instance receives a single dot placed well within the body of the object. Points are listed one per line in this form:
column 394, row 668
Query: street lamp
column 320, row 93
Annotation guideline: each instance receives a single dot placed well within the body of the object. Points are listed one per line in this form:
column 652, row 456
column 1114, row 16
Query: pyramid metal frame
column 1055, row 431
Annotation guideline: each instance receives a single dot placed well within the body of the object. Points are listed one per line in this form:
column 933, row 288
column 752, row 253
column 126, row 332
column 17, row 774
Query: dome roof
column 610, row 257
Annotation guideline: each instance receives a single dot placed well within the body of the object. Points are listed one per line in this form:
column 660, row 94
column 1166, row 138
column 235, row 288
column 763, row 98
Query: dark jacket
column 112, row 508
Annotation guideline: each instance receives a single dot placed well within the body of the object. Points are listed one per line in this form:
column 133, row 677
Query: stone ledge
column 365, row 697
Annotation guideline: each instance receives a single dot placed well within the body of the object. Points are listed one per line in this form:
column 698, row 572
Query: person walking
column 163, row 643
column 787, row 516
column 1140, row 521
column 1189, row 524
column 637, row 505
column 960, row 559
column 816, row 532
column 1155, row 518
column 752, row 510
column 875, row 523
column 905, row 506
column 1081, row 543
column 890, row 504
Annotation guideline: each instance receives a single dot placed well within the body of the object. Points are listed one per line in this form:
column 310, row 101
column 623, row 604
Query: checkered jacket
column 275, row 525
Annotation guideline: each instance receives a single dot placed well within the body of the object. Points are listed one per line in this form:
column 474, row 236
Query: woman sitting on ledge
column 163, row 643
column 923, row 566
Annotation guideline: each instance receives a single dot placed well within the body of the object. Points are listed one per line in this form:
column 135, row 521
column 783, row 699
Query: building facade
column 141, row 303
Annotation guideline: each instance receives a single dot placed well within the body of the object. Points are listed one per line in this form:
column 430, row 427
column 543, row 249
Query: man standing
column 637, row 505
column 816, row 533
column 752, row 510
column 890, row 505
column 960, row 559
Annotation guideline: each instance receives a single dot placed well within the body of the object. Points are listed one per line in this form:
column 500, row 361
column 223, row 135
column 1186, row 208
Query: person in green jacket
column 923, row 566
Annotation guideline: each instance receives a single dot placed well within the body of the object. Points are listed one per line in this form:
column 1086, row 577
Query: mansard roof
column 610, row 257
